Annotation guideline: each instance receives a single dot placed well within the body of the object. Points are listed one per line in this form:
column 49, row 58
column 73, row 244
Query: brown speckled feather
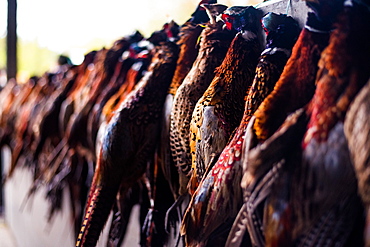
column 189, row 34
column 213, row 47
column 188, row 38
column 357, row 131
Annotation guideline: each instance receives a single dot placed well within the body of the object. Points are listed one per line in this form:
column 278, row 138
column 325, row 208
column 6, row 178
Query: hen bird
column 313, row 201
column 206, row 220
column 164, row 176
column 188, row 38
column 129, row 143
column 214, row 43
column 357, row 131
column 219, row 111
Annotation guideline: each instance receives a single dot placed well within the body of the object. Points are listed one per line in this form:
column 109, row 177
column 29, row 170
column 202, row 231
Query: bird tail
column 238, row 229
column 101, row 198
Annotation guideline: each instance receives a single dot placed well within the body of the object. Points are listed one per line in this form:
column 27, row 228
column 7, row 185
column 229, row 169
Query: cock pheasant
column 126, row 199
column 313, row 201
column 128, row 143
column 134, row 75
column 202, row 225
column 116, row 81
column 296, row 85
column 283, row 32
column 293, row 90
column 219, row 111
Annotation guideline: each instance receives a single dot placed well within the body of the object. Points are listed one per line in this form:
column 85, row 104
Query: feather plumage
column 315, row 190
column 213, row 206
column 213, row 47
column 129, row 142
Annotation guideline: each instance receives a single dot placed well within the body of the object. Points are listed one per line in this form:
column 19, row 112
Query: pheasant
column 32, row 99
column 134, row 75
column 75, row 136
column 188, row 38
column 117, row 79
column 7, row 97
column 313, row 200
column 199, row 225
column 84, row 72
column 296, row 85
column 48, row 121
column 124, row 202
column 214, row 42
column 219, row 111
column 357, row 131
column 164, row 174
column 282, row 34
column 128, row 143
column 293, row 90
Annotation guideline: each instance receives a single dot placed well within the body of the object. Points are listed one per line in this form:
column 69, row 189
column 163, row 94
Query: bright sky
column 70, row 26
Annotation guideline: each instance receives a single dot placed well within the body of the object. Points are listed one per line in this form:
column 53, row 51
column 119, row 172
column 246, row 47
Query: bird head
column 282, row 30
column 214, row 11
column 136, row 36
column 200, row 16
column 242, row 18
column 157, row 37
column 169, row 31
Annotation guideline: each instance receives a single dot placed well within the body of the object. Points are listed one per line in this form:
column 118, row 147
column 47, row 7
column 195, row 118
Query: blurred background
column 49, row 28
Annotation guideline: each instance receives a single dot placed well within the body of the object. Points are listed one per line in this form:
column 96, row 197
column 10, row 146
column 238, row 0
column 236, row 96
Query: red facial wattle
column 228, row 20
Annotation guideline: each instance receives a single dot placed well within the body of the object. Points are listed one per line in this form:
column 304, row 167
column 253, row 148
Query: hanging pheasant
column 293, row 90
column 209, row 217
column 357, row 131
column 314, row 201
column 188, row 38
column 129, row 143
column 164, row 176
column 220, row 109
column 214, row 43
column 282, row 33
